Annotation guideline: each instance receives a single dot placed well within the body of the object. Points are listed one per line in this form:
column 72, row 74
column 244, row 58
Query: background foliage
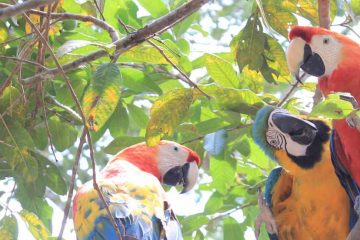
column 233, row 50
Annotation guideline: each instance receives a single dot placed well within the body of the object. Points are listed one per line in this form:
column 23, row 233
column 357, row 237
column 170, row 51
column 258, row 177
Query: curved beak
column 301, row 56
column 295, row 55
column 300, row 130
column 185, row 175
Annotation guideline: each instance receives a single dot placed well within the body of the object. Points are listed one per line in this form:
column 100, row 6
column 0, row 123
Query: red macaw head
column 173, row 164
column 318, row 51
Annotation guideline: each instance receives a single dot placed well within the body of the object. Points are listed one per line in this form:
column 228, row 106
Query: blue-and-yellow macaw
column 304, row 195
column 131, row 186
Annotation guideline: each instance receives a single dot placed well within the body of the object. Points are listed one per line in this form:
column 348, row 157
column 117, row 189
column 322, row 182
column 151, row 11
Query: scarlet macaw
column 304, row 195
column 335, row 60
column 131, row 186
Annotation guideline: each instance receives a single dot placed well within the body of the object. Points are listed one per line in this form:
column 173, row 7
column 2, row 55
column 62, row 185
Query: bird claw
column 353, row 120
column 357, row 205
column 265, row 216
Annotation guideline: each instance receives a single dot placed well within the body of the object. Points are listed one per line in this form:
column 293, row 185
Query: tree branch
column 13, row 10
column 70, row 16
column 324, row 13
column 130, row 40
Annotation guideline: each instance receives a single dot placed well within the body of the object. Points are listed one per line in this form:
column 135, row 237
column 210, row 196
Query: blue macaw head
column 275, row 129
column 260, row 128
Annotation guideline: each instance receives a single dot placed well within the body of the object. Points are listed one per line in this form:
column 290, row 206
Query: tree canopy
column 83, row 79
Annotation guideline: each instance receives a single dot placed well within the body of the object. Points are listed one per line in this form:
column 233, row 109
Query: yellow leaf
column 167, row 113
column 101, row 99
column 35, row 225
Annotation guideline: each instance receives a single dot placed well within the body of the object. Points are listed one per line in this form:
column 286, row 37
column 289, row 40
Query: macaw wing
column 171, row 225
column 138, row 209
column 337, row 153
column 277, row 190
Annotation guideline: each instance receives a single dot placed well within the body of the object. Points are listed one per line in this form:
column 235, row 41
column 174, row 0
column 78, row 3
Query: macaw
column 335, row 60
column 131, row 186
column 304, row 195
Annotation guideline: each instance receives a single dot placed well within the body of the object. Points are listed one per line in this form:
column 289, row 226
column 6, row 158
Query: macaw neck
column 346, row 77
column 320, row 170
column 142, row 157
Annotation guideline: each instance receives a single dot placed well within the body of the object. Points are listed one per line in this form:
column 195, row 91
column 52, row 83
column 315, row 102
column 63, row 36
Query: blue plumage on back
column 270, row 183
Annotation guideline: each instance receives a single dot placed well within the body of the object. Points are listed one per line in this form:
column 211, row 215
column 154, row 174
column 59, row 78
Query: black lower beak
column 301, row 131
column 177, row 175
column 312, row 62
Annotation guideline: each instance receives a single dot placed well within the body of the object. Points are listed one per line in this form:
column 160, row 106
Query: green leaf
column 137, row 81
column 278, row 19
column 250, row 45
column 148, row 54
column 167, row 113
column 122, row 142
column 101, row 99
column 181, row 27
column 156, row 8
column 9, row 228
column 332, row 107
column 27, row 168
column 222, row 169
column 72, row 45
column 355, row 7
column 214, row 203
column 4, row 33
column 232, row 229
column 39, row 135
column 193, row 222
column 137, row 116
column 119, row 121
column 242, row 101
column 15, row 148
column 221, row 71
column 51, row 175
column 63, row 94
column 63, row 134
column 11, row 104
column 304, row 8
column 35, row 225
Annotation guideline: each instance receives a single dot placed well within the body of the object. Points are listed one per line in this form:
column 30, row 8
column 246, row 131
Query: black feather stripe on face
column 316, row 148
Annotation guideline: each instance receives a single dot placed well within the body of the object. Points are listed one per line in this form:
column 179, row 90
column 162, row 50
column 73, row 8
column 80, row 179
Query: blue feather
column 345, row 179
column 270, row 183
column 260, row 128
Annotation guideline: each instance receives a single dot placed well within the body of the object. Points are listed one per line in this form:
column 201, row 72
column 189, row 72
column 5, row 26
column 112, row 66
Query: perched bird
column 335, row 60
column 131, row 186
column 304, row 195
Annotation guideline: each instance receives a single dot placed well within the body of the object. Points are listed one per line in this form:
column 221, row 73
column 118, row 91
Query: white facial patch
column 171, row 155
column 280, row 140
column 329, row 50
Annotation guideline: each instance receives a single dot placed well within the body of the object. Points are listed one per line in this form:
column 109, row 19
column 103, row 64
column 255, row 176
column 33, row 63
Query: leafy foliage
column 141, row 97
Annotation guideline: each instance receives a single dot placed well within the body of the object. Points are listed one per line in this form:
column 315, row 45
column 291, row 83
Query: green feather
column 259, row 131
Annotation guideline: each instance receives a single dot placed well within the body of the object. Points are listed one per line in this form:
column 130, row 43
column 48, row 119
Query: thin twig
column 130, row 40
column 98, row 8
column 23, row 60
column 72, row 183
column 227, row 129
column 23, row 54
column 78, row 105
column 22, row 7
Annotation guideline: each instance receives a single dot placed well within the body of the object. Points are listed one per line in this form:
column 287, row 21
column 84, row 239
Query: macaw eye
column 326, row 40
column 176, row 148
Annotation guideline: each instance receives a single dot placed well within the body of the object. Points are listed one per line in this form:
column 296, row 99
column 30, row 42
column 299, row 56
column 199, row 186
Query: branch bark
column 324, row 13
column 13, row 10
column 128, row 41
column 324, row 21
